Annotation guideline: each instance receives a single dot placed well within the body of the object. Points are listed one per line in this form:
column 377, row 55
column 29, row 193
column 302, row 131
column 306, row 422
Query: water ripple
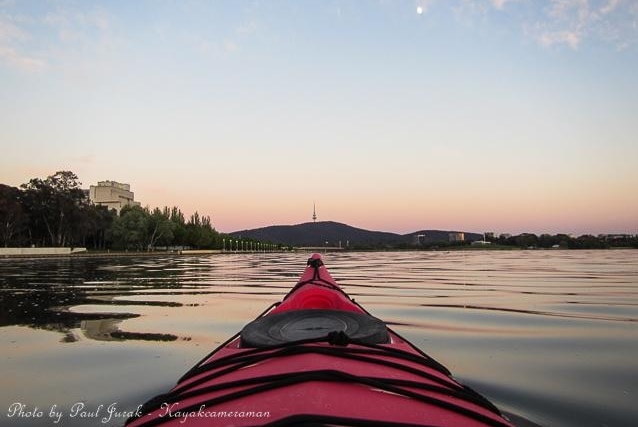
column 545, row 334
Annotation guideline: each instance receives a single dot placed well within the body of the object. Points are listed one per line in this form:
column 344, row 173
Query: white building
column 456, row 236
column 113, row 195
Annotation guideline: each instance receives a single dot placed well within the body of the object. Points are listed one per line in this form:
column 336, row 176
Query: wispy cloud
column 572, row 22
column 569, row 38
column 19, row 60
column 499, row 4
column 12, row 38
column 9, row 32
column 610, row 6
column 26, row 37
column 569, row 23
column 76, row 25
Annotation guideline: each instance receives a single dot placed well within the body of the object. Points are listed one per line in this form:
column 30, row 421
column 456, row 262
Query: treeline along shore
column 57, row 212
column 546, row 241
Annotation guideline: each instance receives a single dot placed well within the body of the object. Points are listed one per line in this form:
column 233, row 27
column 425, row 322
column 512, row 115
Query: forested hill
column 329, row 233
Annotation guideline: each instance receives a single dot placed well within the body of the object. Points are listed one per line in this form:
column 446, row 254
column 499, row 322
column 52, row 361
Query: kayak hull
column 318, row 368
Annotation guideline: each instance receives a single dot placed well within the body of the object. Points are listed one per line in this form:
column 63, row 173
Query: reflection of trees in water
column 109, row 330
column 40, row 293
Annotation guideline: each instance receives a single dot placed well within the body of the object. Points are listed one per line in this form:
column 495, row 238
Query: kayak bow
column 318, row 357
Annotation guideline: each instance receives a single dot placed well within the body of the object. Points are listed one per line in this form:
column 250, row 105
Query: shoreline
column 128, row 254
column 111, row 254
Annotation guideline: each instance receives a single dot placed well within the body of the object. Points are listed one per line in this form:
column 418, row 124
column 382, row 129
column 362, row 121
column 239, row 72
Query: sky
column 508, row 116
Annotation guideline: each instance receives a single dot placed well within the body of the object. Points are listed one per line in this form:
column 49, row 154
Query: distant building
column 484, row 241
column 113, row 195
column 615, row 236
column 456, row 236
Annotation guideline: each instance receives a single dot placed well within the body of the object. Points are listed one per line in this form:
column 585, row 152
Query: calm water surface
column 551, row 336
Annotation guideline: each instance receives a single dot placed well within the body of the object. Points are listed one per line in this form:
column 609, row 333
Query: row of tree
column 142, row 229
column 56, row 211
column 544, row 241
column 564, row 241
column 48, row 212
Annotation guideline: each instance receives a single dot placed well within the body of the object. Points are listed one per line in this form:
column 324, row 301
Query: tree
column 526, row 240
column 130, row 229
column 547, row 240
column 588, row 241
column 160, row 227
column 179, row 227
column 97, row 227
column 11, row 214
column 208, row 235
column 56, row 211
column 200, row 232
column 52, row 204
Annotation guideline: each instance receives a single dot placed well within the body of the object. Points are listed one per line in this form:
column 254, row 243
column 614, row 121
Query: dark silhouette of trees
column 53, row 205
column 130, row 228
column 12, row 215
column 56, row 212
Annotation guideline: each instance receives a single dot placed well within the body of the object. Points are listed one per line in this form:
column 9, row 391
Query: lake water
column 550, row 336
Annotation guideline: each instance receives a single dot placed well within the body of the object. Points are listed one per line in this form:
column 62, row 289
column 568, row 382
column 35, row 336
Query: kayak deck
column 301, row 363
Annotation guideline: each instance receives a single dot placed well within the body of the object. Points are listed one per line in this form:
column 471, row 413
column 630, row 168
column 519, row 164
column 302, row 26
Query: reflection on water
column 548, row 335
column 109, row 330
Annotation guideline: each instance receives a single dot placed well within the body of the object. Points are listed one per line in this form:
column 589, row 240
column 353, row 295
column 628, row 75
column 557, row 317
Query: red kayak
column 318, row 358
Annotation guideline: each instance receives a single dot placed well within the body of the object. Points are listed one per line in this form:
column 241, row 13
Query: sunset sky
column 476, row 115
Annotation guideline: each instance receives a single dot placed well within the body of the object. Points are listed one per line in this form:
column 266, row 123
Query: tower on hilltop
column 314, row 212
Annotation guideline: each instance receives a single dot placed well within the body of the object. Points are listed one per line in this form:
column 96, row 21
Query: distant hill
column 318, row 233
